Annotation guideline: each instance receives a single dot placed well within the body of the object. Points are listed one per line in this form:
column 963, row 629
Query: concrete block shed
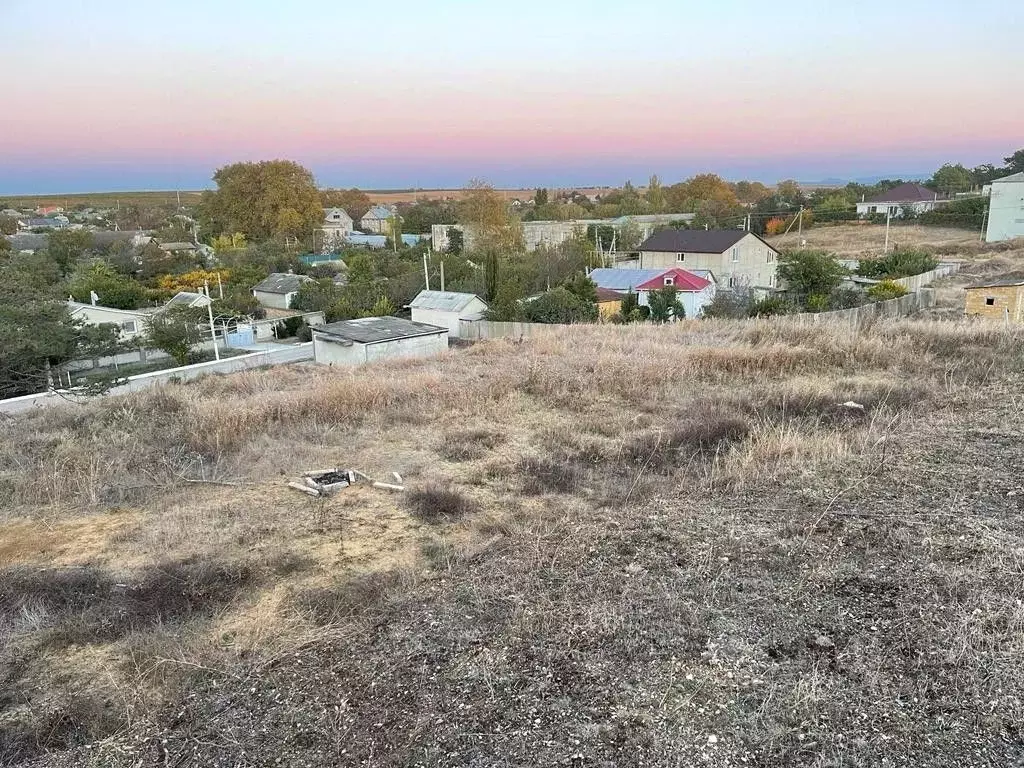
column 447, row 308
column 366, row 339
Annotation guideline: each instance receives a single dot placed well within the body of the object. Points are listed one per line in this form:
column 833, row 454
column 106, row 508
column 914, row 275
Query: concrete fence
column 292, row 354
column 858, row 316
column 475, row 330
column 915, row 283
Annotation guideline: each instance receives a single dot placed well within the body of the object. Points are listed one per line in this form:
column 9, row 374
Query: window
column 732, row 282
column 990, row 301
column 680, row 256
column 669, row 280
column 735, row 254
column 873, row 209
column 128, row 326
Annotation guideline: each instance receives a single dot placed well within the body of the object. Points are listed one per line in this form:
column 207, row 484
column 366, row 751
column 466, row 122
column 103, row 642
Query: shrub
column 846, row 298
column 438, row 504
column 710, row 431
column 902, row 262
column 885, row 290
column 469, row 444
column 547, row 475
column 771, row 305
column 729, row 305
column 968, row 213
column 808, row 272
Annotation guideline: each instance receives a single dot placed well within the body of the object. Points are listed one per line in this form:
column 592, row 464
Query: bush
column 846, row 298
column 548, row 475
column 710, row 431
column 771, row 305
column 968, row 213
column 559, row 306
column 902, row 262
column 729, row 305
column 809, row 272
column 438, row 504
column 885, row 290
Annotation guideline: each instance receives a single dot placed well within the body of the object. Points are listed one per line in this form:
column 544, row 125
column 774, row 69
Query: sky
column 107, row 95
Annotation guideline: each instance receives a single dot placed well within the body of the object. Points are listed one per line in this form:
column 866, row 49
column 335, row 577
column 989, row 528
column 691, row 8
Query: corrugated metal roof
column 1012, row 177
column 379, row 212
column 693, row 240
column 623, row 279
column 445, row 301
column 188, row 299
column 373, row 330
column 607, row 294
column 683, row 280
column 282, row 282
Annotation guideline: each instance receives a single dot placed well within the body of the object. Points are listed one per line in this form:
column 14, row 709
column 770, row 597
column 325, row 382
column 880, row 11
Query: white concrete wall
column 100, row 315
column 330, row 352
column 1006, row 212
column 449, row 320
column 274, row 300
column 865, row 209
column 750, row 261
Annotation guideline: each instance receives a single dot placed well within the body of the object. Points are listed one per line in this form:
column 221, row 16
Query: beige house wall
column 751, row 262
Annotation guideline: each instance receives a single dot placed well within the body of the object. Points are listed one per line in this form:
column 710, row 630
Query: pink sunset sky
column 579, row 93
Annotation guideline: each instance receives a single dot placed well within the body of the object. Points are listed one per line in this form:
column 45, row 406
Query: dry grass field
column 618, row 546
column 865, row 239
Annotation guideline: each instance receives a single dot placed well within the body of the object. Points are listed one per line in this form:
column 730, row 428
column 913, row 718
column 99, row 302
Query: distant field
column 104, row 199
column 100, row 199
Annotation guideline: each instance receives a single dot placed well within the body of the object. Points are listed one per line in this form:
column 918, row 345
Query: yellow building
column 608, row 303
column 1002, row 300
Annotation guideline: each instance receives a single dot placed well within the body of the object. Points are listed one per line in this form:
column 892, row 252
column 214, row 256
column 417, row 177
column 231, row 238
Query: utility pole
column 888, row 218
column 209, row 312
column 442, row 275
column 800, row 225
column 984, row 217
column 426, row 272
column 220, row 285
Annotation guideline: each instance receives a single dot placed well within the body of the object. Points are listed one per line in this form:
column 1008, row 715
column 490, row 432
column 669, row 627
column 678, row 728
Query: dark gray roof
column 904, row 193
column 282, row 282
column 27, row 242
column 693, row 240
column 104, row 237
column 373, row 330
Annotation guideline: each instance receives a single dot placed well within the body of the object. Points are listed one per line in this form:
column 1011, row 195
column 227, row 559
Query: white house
column 377, row 220
column 1006, row 209
column 336, row 227
column 131, row 322
column 736, row 257
column 694, row 289
column 279, row 289
column 447, row 308
column 894, row 202
column 367, row 339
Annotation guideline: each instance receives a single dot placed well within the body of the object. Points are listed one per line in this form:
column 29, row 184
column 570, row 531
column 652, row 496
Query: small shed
column 1000, row 300
column 447, row 308
column 278, row 291
column 609, row 302
column 366, row 339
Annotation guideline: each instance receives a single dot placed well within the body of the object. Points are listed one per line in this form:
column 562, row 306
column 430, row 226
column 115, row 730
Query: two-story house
column 734, row 256
column 337, row 226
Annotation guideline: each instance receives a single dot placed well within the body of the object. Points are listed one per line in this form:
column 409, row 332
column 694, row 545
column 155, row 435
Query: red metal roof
column 682, row 280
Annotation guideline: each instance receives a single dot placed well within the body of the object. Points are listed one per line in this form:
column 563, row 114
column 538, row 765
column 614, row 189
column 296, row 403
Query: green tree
column 655, row 195
column 456, row 241
column 8, row 225
column 483, row 211
column 275, row 198
column 67, row 246
column 665, row 305
column 35, row 325
column 886, row 290
column 1014, row 163
column 630, row 307
column 582, row 287
column 175, row 331
column 952, row 178
column 790, row 191
column 492, row 275
column 112, row 288
column 540, row 197
column 559, row 306
column 810, row 273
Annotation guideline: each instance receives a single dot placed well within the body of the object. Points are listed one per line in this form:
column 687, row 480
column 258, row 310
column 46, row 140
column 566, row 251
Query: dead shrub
column 702, row 435
column 330, row 605
column 545, row 475
column 469, row 444
column 439, row 504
